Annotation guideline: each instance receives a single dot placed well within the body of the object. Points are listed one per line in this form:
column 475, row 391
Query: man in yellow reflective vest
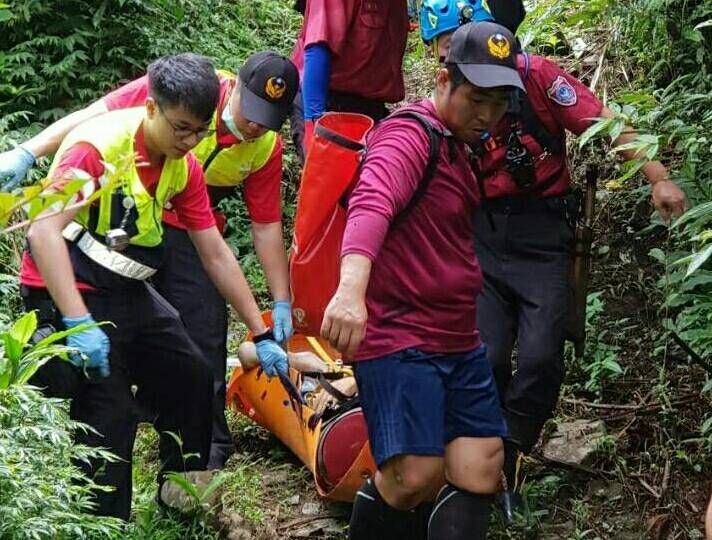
column 245, row 151
column 92, row 262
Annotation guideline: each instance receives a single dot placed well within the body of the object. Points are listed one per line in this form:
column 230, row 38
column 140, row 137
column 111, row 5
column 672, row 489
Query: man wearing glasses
column 92, row 262
column 239, row 147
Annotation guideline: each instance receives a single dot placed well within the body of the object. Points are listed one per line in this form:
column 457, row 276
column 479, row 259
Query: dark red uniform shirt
column 561, row 102
column 367, row 41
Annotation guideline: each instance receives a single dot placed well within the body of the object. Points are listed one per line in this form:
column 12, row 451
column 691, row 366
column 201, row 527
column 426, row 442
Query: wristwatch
column 264, row 336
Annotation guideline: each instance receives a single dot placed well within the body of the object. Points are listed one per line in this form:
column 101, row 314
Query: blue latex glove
column 14, row 165
column 272, row 358
column 92, row 343
column 282, row 320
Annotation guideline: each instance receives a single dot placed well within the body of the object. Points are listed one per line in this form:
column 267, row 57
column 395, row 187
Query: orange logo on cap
column 275, row 87
column 498, row 46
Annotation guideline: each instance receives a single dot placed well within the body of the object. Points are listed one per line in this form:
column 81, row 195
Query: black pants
column 526, row 297
column 183, row 282
column 336, row 101
column 150, row 349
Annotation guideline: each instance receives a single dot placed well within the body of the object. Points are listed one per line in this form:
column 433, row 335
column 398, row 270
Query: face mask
column 229, row 121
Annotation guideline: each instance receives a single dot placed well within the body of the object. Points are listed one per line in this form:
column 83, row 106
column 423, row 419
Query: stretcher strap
column 321, row 352
column 335, row 138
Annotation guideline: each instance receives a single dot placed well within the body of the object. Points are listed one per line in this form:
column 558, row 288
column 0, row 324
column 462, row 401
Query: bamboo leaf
column 698, row 260
column 24, row 327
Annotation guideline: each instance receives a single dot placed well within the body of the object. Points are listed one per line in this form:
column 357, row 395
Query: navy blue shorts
column 417, row 402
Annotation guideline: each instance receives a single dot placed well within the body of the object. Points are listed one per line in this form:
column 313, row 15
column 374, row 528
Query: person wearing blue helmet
column 524, row 232
column 440, row 18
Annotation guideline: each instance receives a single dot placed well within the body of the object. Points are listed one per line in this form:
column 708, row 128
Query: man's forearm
column 654, row 171
column 225, row 272
column 355, row 274
column 48, row 140
column 49, row 252
column 269, row 246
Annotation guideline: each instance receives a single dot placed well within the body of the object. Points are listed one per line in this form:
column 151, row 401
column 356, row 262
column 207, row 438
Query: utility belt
column 105, row 257
column 568, row 205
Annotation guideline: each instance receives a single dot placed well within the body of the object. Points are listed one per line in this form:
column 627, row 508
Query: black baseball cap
column 269, row 83
column 486, row 53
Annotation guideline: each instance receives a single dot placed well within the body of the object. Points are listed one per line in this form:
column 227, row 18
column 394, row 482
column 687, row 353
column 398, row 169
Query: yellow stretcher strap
column 321, row 352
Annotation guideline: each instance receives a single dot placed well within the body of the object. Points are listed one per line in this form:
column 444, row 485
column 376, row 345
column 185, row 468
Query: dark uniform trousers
column 185, row 284
column 150, row 348
column 526, row 260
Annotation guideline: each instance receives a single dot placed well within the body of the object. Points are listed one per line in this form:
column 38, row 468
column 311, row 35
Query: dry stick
column 603, row 405
column 623, row 431
column 303, row 521
column 666, row 478
column 653, row 408
column 599, row 69
column 649, row 488
column 694, row 357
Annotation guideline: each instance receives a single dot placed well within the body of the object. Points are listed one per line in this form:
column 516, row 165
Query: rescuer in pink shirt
column 404, row 311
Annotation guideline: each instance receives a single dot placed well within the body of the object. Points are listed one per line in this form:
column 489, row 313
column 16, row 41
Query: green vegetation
column 43, row 493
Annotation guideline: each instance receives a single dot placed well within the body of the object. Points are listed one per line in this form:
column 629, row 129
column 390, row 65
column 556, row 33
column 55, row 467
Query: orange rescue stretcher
column 334, row 446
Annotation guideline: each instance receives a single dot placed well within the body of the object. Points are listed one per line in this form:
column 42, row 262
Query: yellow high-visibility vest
column 113, row 135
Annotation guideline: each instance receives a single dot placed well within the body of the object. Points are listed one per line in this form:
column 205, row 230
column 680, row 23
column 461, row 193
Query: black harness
column 519, row 162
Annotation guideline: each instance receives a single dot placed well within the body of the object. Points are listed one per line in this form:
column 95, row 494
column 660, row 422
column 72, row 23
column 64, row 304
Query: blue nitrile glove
column 282, row 320
column 14, row 165
column 272, row 358
column 93, row 343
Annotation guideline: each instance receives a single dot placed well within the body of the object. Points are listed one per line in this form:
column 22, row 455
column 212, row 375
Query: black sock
column 459, row 515
column 420, row 522
column 373, row 519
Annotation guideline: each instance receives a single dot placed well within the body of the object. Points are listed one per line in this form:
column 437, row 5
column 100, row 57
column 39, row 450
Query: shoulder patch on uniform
column 562, row 92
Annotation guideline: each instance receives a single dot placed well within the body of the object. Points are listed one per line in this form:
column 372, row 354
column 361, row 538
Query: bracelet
column 264, row 336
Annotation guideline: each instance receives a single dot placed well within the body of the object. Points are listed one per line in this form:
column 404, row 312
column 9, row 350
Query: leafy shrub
column 43, row 493
column 58, row 56
column 600, row 359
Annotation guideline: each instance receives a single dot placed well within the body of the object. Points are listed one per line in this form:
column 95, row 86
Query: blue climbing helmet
column 440, row 16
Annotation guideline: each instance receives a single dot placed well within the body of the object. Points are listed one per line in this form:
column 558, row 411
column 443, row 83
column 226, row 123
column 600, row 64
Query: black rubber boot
column 513, row 508
column 510, row 501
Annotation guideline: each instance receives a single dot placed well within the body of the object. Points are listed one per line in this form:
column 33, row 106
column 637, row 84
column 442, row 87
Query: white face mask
column 229, row 121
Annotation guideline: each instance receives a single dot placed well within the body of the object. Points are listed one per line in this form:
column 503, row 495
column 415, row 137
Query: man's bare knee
column 406, row 481
column 475, row 464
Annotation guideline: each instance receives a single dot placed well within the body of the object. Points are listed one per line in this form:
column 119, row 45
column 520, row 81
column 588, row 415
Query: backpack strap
column 435, row 137
column 520, row 108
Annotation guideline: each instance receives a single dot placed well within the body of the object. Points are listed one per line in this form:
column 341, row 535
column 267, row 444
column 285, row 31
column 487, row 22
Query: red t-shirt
column 561, row 102
column 262, row 188
column 192, row 204
column 367, row 41
column 425, row 275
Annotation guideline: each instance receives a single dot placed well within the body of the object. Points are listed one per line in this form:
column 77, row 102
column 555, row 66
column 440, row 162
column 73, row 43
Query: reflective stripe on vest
column 231, row 165
column 105, row 257
column 113, row 135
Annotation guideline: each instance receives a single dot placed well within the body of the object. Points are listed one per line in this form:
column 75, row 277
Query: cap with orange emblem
column 269, row 82
column 486, row 53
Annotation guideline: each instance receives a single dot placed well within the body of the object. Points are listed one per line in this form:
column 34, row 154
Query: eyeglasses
column 184, row 133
